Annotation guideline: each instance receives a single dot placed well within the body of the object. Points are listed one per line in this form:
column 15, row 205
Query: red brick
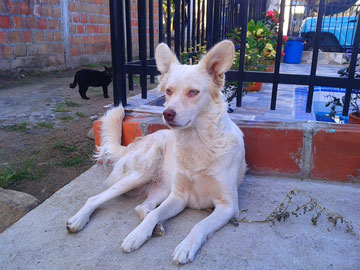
column 73, row 29
column 98, row 2
column 56, row 12
column 58, row 36
column 2, row 37
column 336, row 154
column 269, row 149
column 26, row 36
column 97, row 131
column 20, row 50
column 30, row 23
column 80, row 29
column 7, row 52
column 24, row 8
column 71, row 6
column 86, row 39
column 47, row 11
column 155, row 127
column 38, row 36
column 52, row 24
column 11, row 7
column 90, row 29
column 41, row 23
column 49, row 36
column 76, row 18
column 52, row 2
column 102, row 29
column 83, row 18
column 18, row 22
column 74, row 51
column 92, row 19
column 4, row 21
column 130, row 130
column 14, row 37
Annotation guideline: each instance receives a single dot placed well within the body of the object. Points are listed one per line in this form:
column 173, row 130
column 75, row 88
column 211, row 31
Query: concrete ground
column 40, row 241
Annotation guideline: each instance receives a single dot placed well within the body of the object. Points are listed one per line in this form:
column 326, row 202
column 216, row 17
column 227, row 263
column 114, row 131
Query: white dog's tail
column 110, row 148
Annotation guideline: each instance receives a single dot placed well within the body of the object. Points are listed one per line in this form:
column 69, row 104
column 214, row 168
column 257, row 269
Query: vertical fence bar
column 161, row 34
column 151, row 33
column 142, row 46
column 198, row 25
column 118, row 51
column 168, row 23
column 216, row 14
column 315, row 55
column 177, row 28
column 209, row 24
column 278, row 57
column 188, row 27
column 244, row 21
column 202, row 22
column 129, row 41
column 182, row 25
column 352, row 67
column 193, row 24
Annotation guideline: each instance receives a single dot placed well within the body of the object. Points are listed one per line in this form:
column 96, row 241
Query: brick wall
column 30, row 34
column 53, row 34
column 89, row 30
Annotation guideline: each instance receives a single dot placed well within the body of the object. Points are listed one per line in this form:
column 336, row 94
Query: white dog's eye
column 193, row 93
column 168, row 92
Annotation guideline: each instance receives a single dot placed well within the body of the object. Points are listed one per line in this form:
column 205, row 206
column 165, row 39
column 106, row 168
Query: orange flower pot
column 256, row 86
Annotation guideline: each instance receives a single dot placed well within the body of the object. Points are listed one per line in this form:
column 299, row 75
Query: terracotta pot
column 270, row 68
column 353, row 119
column 256, row 86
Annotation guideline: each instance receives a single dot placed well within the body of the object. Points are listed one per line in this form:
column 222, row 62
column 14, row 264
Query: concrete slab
column 40, row 241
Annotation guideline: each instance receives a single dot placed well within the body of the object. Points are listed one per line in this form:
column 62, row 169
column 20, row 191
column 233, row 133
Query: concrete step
column 40, row 241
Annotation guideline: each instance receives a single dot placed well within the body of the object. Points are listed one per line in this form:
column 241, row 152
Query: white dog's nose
column 169, row 115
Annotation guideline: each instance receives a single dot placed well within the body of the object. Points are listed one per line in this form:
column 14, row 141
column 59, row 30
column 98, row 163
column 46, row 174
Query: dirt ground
column 43, row 130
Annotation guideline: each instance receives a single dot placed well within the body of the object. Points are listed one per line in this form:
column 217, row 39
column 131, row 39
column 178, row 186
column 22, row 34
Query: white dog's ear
column 219, row 59
column 164, row 58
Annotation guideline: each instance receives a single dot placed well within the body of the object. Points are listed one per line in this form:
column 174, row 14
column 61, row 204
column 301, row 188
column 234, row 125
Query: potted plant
column 334, row 102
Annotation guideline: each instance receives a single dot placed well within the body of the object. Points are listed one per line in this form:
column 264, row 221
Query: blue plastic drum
column 293, row 50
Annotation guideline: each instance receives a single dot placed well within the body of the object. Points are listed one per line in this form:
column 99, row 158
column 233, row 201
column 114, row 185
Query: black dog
column 89, row 77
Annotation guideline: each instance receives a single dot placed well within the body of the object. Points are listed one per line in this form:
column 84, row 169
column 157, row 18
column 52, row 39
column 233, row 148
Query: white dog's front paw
column 76, row 223
column 135, row 240
column 185, row 252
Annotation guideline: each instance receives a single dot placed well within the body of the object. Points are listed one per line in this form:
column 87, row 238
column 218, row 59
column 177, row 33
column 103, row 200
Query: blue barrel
column 293, row 50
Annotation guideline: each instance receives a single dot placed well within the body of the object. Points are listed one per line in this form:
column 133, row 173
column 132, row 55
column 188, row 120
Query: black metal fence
column 197, row 21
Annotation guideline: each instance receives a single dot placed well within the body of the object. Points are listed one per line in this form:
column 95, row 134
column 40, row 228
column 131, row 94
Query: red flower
column 284, row 39
column 270, row 14
column 283, row 54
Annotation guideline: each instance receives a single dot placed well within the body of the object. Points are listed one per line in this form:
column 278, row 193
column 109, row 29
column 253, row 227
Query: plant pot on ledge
column 255, row 86
column 354, row 118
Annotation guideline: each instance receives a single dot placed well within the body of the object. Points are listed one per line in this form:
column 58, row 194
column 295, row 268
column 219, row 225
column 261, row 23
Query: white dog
column 198, row 163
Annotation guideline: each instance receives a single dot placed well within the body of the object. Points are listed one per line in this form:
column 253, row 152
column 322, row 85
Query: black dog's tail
column 74, row 84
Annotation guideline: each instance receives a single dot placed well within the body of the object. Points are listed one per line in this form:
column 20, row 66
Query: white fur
column 199, row 163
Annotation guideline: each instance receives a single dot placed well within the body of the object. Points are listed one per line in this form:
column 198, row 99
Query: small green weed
column 19, row 127
column 73, row 161
column 10, row 174
column 72, row 104
column 60, row 108
column 66, row 118
column 80, row 114
column 45, row 125
column 65, row 147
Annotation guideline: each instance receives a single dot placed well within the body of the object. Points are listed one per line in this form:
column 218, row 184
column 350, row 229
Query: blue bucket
column 293, row 50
